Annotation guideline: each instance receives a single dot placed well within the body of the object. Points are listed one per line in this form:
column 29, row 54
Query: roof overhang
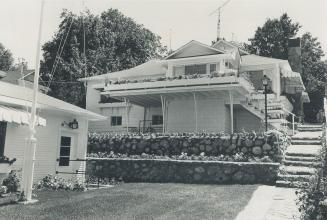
column 18, row 116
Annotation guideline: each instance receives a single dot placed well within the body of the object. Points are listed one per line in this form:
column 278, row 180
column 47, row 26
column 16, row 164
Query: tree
column 6, row 59
column 113, row 42
column 271, row 40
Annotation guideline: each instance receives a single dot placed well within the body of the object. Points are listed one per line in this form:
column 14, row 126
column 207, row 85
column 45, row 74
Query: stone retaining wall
column 248, row 144
column 183, row 171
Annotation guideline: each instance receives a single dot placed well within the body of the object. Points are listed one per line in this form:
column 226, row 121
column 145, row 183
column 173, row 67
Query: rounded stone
column 199, row 170
column 266, row 147
column 257, row 151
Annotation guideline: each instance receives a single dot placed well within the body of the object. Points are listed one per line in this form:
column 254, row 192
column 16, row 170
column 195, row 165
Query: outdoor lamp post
column 265, row 84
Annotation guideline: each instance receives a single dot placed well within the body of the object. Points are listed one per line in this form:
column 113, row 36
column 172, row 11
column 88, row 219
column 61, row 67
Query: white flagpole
column 29, row 156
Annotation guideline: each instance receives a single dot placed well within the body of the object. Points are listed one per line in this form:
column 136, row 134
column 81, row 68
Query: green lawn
column 137, row 201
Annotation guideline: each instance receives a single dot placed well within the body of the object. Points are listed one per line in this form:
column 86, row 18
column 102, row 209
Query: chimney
column 294, row 54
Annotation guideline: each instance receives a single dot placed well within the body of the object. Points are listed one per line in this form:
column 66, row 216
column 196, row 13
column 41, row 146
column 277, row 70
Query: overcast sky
column 188, row 19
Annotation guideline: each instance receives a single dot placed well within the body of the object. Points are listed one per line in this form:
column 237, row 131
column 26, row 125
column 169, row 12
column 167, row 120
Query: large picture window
column 65, row 146
column 196, row 69
column 116, row 120
column 3, row 128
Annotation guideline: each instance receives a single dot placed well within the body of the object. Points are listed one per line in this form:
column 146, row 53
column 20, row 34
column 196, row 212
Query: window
column 64, row 155
column 3, row 128
column 116, row 120
column 212, row 67
column 196, row 69
column 157, row 119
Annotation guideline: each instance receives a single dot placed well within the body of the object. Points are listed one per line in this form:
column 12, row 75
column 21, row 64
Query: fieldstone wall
column 183, row 171
column 248, row 144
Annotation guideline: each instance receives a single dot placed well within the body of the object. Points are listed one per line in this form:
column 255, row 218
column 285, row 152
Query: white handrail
column 293, row 120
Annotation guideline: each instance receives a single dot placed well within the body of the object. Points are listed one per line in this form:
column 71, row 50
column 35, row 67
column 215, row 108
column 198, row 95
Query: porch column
column 195, row 112
column 127, row 113
column 231, row 104
column 163, row 107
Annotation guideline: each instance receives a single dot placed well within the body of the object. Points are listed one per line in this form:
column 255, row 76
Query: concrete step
column 305, row 158
column 309, row 128
column 289, row 184
column 301, row 163
column 305, row 142
column 303, row 150
column 294, row 178
column 297, row 170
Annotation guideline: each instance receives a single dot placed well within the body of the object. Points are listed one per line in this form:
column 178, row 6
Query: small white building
column 61, row 133
column 197, row 88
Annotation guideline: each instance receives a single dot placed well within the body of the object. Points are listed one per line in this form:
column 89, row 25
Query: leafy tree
column 113, row 42
column 6, row 59
column 271, row 40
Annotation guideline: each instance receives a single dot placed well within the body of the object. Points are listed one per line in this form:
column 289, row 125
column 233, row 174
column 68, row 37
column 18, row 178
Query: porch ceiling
column 155, row 99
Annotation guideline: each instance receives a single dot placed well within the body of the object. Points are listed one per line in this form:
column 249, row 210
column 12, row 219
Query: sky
column 183, row 20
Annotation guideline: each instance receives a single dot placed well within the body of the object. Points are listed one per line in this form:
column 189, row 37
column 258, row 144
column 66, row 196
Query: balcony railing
column 180, row 81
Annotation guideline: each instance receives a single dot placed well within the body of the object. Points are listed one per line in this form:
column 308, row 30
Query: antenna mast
column 218, row 10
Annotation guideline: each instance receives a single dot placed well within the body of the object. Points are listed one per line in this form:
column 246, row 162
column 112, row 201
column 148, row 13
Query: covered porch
column 198, row 108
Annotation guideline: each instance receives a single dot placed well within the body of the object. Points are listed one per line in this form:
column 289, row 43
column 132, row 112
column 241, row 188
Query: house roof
column 152, row 67
column 13, row 76
column 202, row 49
column 15, row 95
column 230, row 44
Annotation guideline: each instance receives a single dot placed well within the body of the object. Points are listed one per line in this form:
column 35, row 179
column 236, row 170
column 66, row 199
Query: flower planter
column 4, row 170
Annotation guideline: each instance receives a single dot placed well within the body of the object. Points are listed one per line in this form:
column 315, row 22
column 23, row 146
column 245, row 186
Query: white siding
column 211, row 115
column 47, row 149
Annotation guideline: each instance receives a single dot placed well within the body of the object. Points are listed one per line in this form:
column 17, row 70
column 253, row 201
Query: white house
column 61, row 134
column 196, row 88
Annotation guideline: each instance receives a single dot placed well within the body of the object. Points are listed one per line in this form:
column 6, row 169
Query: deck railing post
column 195, row 112
column 231, row 99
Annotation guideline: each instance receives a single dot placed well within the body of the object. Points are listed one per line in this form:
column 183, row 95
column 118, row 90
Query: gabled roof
column 13, row 76
column 223, row 43
column 152, row 67
column 19, row 96
column 193, row 49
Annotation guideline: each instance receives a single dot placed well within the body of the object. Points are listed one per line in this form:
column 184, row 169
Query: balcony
column 185, row 83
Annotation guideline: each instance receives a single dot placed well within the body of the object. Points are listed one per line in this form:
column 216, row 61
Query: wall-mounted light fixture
column 72, row 125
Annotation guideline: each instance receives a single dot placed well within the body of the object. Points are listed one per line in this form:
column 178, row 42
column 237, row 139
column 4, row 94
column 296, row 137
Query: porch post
column 163, row 107
column 195, row 112
column 231, row 99
column 127, row 114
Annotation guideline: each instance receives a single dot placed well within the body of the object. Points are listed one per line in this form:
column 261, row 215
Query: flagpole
column 29, row 156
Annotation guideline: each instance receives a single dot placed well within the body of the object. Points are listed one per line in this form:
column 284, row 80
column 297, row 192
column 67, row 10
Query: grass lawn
column 137, row 201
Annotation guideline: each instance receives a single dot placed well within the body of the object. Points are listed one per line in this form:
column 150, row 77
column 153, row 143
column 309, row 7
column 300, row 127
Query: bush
column 3, row 190
column 54, row 182
column 12, row 182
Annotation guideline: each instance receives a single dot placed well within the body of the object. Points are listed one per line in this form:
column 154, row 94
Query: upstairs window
column 196, row 69
column 157, row 119
column 116, row 120
column 213, row 67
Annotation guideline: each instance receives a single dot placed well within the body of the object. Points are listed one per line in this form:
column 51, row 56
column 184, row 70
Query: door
column 66, row 153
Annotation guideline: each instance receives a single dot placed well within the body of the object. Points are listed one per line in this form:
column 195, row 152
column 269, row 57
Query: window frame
column 114, row 122
column 66, row 163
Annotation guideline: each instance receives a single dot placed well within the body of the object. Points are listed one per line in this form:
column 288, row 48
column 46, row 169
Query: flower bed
column 221, row 147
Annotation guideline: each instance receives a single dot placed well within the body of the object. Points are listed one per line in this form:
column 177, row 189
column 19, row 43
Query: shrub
column 3, row 190
column 54, row 182
column 12, row 182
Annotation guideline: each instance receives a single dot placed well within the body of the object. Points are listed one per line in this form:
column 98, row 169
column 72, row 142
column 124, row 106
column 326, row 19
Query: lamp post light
column 265, row 84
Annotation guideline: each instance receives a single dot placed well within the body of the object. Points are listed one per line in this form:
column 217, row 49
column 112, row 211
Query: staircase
column 300, row 161
column 275, row 113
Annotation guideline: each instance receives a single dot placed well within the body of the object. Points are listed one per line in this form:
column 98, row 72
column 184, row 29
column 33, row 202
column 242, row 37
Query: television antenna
column 219, row 10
